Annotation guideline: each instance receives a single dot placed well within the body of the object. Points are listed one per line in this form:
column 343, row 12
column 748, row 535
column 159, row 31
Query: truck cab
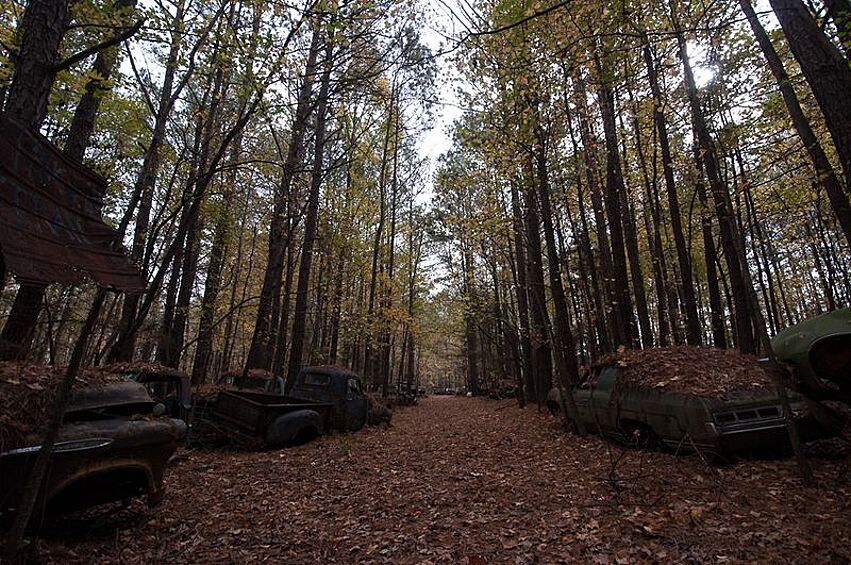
column 336, row 385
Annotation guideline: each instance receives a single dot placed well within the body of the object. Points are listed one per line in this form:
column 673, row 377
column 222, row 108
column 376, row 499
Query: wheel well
column 98, row 488
column 628, row 424
column 294, row 428
column 638, row 432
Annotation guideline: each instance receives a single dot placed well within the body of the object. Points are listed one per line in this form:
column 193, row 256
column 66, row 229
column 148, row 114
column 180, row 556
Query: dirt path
column 460, row 480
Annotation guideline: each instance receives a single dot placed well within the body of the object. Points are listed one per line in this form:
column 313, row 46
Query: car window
column 354, row 386
column 316, row 379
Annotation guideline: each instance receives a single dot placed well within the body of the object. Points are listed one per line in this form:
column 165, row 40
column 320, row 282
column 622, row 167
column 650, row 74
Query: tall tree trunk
column 564, row 342
column 693, row 331
column 83, row 122
column 143, row 190
column 41, row 30
column 710, row 255
column 825, row 70
column 278, row 365
column 825, row 174
column 213, row 281
column 739, row 278
column 377, row 265
column 391, row 256
column 636, row 272
column 471, row 336
column 540, row 330
column 311, row 219
column 586, row 257
column 192, row 251
column 522, row 292
column 839, row 11
column 619, row 293
column 652, row 220
column 258, row 353
column 589, row 143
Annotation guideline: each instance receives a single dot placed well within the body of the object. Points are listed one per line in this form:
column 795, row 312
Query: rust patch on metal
column 51, row 228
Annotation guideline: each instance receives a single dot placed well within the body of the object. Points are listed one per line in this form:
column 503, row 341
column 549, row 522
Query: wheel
column 639, row 434
column 553, row 407
column 294, row 428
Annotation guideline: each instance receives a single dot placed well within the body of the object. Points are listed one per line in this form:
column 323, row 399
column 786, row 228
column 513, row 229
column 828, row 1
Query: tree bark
column 41, row 30
column 826, row 71
column 564, row 342
column 693, row 331
column 258, row 352
column 83, row 122
column 522, row 293
column 311, row 218
column 825, row 174
column 619, row 293
column 723, row 211
column 143, row 190
column 540, row 329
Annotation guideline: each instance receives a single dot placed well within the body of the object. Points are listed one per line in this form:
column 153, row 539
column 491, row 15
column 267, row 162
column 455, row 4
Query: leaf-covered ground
column 458, row 480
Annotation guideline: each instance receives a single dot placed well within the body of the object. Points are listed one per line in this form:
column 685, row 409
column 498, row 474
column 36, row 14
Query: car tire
column 294, row 428
column 553, row 407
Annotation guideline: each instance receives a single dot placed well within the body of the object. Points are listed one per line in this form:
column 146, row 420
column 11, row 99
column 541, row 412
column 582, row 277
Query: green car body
column 819, row 349
column 685, row 422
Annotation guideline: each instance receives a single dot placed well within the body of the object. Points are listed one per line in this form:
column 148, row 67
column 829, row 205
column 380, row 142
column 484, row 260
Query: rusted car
column 170, row 387
column 687, row 422
column 819, row 350
column 113, row 446
column 322, row 399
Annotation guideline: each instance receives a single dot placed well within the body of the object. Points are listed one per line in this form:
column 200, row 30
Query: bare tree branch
column 115, row 40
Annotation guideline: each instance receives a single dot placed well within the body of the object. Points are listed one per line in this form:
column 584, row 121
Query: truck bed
column 252, row 412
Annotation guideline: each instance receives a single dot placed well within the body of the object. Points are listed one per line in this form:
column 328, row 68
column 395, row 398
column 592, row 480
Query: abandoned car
column 687, row 422
column 322, row 399
column 170, row 387
column 113, row 446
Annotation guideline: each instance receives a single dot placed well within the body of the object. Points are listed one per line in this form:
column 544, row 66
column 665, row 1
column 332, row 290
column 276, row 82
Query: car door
column 356, row 405
column 603, row 412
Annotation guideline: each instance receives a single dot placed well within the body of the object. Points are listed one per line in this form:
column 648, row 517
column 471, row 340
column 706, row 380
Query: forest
column 484, row 197
column 603, row 187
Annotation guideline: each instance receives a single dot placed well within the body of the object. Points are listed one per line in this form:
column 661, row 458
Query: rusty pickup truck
column 322, row 399
column 686, row 422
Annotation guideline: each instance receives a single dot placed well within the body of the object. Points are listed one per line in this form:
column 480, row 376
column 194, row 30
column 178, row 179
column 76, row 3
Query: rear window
column 316, row 379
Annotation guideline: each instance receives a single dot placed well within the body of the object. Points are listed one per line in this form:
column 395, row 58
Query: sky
column 438, row 140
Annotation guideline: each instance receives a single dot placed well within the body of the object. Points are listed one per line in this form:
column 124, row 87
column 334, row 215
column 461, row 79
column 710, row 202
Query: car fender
column 299, row 426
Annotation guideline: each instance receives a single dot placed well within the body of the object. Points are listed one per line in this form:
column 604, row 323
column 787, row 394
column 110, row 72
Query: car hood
column 819, row 347
column 125, row 394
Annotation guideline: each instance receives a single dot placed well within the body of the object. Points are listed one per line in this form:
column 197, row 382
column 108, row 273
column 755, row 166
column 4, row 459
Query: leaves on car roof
column 702, row 371
column 27, row 391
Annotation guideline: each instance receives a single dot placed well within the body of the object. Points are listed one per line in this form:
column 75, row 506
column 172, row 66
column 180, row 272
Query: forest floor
column 460, row 480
